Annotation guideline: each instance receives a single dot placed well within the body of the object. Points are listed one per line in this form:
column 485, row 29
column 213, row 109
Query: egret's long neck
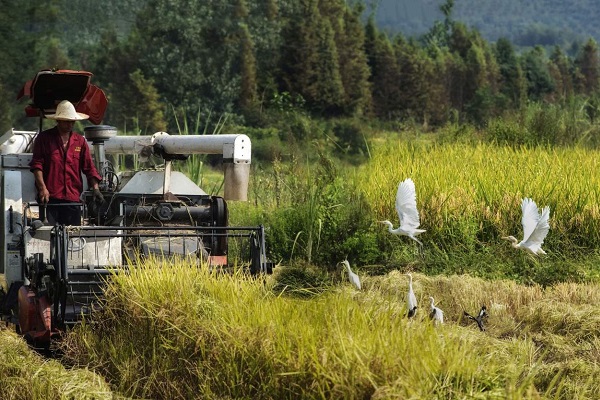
column 348, row 268
column 390, row 226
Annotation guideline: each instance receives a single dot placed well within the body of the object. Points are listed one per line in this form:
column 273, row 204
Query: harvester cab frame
column 54, row 275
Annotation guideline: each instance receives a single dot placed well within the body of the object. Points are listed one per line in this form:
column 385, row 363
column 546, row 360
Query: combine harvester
column 54, row 275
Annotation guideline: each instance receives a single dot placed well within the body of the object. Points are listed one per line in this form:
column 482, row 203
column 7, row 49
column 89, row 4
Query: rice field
column 24, row 375
column 180, row 332
column 475, row 191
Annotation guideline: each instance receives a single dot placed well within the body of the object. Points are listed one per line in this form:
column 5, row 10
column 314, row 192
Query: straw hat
column 65, row 111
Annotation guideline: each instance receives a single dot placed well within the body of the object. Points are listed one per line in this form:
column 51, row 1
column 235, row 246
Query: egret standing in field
column 435, row 313
column 411, row 299
column 406, row 206
column 354, row 279
column 535, row 228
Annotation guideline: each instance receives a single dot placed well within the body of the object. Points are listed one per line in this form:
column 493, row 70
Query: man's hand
column 98, row 196
column 43, row 195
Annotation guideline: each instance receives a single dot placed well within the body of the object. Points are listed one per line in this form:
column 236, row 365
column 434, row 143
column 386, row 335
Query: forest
column 162, row 62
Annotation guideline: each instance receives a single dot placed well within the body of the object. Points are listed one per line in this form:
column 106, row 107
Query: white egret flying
column 354, row 279
column 435, row 313
column 406, row 206
column 411, row 299
column 535, row 228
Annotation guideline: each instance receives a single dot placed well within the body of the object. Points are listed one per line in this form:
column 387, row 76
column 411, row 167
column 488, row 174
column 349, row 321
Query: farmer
column 60, row 156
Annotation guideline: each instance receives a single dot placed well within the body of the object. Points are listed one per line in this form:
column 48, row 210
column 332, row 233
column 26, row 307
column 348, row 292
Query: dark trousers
column 62, row 212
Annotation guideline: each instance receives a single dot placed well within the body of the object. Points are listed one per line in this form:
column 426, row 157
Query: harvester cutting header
column 54, row 273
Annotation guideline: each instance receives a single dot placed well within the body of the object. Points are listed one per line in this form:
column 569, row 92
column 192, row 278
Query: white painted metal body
column 235, row 147
column 18, row 191
column 236, row 151
column 20, row 241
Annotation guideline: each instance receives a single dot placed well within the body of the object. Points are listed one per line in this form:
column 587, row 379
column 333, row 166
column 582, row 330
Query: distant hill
column 525, row 23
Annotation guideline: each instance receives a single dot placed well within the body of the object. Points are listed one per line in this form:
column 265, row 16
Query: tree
column 416, row 95
column 310, row 64
column 539, row 81
column 328, row 90
column 513, row 84
column 560, row 69
column 354, row 70
column 589, row 67
column 385, row 74
column 438, row 36
column 190, row 50
column 28, row 45
column 248, row 70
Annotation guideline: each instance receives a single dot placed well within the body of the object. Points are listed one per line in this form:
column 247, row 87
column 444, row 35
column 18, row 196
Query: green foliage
column 512, row 77
column 301, row 281
column 315, row 216
column 546, row 124
column 244, row 58
column 589, row 65
column 538, row 76
column 351, row 138
column 384, row 73
column 354, row 70
column 248, row 71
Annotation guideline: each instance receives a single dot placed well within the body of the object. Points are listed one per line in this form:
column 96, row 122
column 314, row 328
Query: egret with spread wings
column 406, row 206
column 535, row 228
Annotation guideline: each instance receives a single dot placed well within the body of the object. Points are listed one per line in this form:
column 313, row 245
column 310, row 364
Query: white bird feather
column 411, row 299
column 354, row 279
column 535, row 228
column 406, row 207
column 436, row 314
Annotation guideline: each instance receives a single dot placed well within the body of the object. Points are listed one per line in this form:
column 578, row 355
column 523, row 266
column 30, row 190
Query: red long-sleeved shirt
column 62, row 168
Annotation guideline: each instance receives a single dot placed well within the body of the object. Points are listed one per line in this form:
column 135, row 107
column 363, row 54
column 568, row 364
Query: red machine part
column 49, row 87
column 35, row 315
column 217, row 261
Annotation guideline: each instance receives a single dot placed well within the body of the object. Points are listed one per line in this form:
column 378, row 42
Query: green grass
column 183, row 332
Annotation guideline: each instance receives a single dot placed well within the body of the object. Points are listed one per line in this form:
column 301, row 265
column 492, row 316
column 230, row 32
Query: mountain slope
column 545, row 22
